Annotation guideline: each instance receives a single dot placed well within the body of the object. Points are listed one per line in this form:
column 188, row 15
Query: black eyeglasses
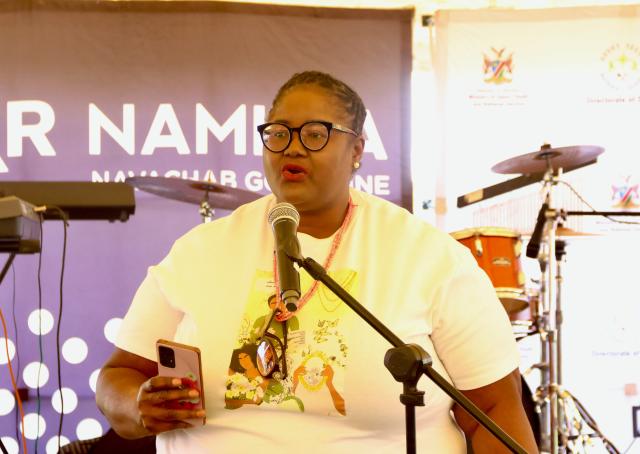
column 271, row 353
column 314, row 135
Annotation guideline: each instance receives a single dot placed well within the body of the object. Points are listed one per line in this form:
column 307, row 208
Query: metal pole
column 560, row 245
column 552, row 218
column 553, row 360
column 560, row 252
column 543, row 327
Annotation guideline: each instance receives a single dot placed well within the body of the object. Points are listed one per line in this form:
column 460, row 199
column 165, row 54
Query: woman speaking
column 328, row 389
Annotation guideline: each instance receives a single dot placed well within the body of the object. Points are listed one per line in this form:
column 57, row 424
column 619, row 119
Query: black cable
column 65, row 224
column 35, row 441
column 593, row 209
column 15, row 334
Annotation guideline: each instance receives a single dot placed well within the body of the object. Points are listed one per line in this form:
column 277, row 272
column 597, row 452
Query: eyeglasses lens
column 314, row 136
column 275, row 137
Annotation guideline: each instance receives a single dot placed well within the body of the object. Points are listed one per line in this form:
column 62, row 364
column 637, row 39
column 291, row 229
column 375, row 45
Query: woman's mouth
column 292, row 172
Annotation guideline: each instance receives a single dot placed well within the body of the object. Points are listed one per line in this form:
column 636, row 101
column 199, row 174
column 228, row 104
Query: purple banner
column 101, row 92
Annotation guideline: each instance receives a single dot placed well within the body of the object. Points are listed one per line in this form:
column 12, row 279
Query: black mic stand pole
column 407, row 363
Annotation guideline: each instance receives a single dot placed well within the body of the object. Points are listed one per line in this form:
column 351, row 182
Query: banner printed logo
column 625, row 195
column 498, row 69
column 621, row 66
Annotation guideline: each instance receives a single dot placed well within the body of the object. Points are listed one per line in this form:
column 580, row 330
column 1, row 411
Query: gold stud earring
column 356, row 165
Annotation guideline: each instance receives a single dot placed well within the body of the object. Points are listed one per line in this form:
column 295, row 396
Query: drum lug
column 478, row 245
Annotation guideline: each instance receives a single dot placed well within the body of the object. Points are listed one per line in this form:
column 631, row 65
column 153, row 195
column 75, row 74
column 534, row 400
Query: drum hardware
column 551, row 400
column 550, row 252
column 478, row 245
column 581, row 428
column 205, row 194
column 205, row 210
column 539, row 366
column 525, row 322
column 561, row 427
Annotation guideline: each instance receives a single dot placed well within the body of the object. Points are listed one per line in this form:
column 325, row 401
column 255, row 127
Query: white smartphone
column 183, row 361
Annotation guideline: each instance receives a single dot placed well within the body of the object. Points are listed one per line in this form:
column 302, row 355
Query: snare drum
column 525, row 322
column 497, row 251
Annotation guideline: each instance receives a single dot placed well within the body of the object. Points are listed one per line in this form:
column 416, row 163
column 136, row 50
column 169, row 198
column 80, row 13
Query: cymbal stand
column 563, row 419
column 546, row 393
column 580, row 429
column 550, row 399
column 559, row 254
column 206, row 210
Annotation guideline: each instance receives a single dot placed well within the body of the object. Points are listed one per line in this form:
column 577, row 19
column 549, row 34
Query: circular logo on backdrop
column 621, row 66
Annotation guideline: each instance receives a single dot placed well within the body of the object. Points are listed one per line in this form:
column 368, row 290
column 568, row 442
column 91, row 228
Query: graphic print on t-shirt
column 316, row 353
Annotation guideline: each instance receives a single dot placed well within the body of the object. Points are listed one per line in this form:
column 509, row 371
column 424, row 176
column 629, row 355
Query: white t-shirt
column 212, row 289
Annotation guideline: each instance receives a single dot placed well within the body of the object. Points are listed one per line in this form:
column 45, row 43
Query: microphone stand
column 407, row 363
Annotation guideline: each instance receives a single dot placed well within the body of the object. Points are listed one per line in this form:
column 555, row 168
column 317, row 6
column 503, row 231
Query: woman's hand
column 136, row 402
column 163, row 404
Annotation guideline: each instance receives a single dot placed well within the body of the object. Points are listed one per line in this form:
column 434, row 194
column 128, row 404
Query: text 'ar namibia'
column 165, row 131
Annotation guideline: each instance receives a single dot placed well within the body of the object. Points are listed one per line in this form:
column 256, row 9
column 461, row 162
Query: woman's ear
column 358, row 149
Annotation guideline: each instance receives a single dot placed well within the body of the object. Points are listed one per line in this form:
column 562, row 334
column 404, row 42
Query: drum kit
column 560, row 422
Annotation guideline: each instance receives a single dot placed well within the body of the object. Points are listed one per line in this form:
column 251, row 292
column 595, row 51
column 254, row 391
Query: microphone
column 533, row 247
column 284, row 219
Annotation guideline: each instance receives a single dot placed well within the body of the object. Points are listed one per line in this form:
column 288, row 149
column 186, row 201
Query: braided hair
column 351, row 101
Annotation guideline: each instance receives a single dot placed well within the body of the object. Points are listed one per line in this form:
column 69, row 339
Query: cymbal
column 565, row 232
column 536, row 162
column 192, row 191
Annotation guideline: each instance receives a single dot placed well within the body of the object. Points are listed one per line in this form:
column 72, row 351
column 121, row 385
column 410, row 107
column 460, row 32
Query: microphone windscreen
column 283, row 210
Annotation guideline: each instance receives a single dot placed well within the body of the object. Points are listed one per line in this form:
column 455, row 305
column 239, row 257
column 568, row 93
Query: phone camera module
column 167, row 356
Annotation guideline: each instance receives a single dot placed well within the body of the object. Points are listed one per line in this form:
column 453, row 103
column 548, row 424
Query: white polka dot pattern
column 34, row 426
column 70, row 400
column 88, row 428
column 93, row 380
column 35, row 375
column 11, row 445
column 52, row 444
column 40, row 321
column 111, row 329
column 7, row 402
column 3, row 350
column 74, row 350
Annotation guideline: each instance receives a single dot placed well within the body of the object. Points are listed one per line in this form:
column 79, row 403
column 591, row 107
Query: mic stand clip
column 407, row 363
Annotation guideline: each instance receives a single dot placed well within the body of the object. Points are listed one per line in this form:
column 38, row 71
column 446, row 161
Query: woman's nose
column 295, row 146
